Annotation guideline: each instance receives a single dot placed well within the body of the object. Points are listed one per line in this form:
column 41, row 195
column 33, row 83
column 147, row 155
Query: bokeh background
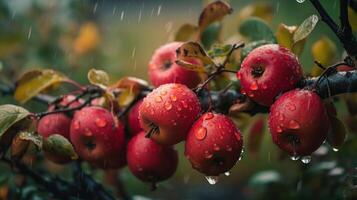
column 73, row 36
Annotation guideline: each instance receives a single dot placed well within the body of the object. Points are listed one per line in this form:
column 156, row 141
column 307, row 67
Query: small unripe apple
column 149, row 161
column 163, row 69
column 298, row 122
column 214, row 144
column 268, row 71
column 96, row 134
column 169, row 111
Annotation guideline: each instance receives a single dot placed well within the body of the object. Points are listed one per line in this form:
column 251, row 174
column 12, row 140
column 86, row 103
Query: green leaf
column 9, row 115
column 211, row 35
column 220, row 50
column 33, row 137
column 58, row 145
column 305, row 28
column 250, row 46
column 99, row 78
column 255, row 29
column 36, row 81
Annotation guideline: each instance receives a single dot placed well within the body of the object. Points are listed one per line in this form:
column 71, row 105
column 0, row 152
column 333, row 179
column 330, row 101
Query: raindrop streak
column 95, row 8
column 300, row 1
column 212, row 179
column 159, row 10
column 30, row 32
column 122, row 16
column 133, row 53
column 306, row 159
column 114, row 10
column 295, row 157
column 139, row 17
column 227, row 173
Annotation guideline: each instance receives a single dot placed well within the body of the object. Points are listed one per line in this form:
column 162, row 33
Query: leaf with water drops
column 337, row 134
column 33, row 137
column 99, row 78
column 36, row 81
column 59, row 146
column 213, row 12
column 186, row 32
column 190, row 50
column 9, row 115
column 305, row 28
column 256, row 29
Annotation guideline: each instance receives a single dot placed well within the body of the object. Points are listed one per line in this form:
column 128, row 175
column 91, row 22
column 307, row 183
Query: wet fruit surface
column 133, row 119
column 214, row 144
column 298, row 122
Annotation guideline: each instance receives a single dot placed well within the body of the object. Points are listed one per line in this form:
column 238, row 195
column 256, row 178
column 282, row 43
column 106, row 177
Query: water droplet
column 184, row 104
column 140, row 169
column 173, row 98
column 212, row 179
column 158, row 99
column 201, row 133
column 251, row 95
column 100, row 122
column 147, row 105
column 163, row 93
column 76, row 125
column 208, row 116
column 306, row 159
column 264, row 86
column 121, row 15
column 334, row 149
column 227, row 173
column 294, row 158
column 47, row 122
column 278, row 129
column 168, row 106
column 216, row 147
column 254, row 86
column 291, row 107
column 294, row 124
column 281, row 117
column 300, row 1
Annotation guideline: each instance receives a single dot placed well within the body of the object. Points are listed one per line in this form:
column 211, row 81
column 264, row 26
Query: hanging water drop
column 227, row 173
column 300, row 1
column 334, row 149
column 168, row 106
column 254, row 86
column 294, row 124
column 212, row 179
column 100, row 122
column 306, row 159
column 201, row 133
column 294, row 158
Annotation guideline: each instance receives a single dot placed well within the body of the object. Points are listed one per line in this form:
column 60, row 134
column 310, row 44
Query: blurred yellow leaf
column 88, row 38
column 36, row 81
column 193, row 50
column 213, row 12
column 352, row 16
column 126, row 97
column 186, row 32
column 324, row 51
column 99, row 78
column 261, row 10
column 130, row 88
column 284, row 36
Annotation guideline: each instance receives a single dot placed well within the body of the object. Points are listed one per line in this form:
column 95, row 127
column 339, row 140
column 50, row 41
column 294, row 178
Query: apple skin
column 172, row 108
column 149, row 161
column 268, row 71
column 96, row 134
column 113, row 161
column 133, row 119
column 214, row 144
column 300, row 116
column 163, row 69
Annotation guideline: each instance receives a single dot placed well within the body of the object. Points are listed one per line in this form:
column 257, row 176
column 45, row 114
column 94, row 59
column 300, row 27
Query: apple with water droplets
column 298, row 122
column 168, row 112
column 133, row 119
column 149, row 161
column 96, row 134
column 268, row 71
column 163, row 69
column 214, row 144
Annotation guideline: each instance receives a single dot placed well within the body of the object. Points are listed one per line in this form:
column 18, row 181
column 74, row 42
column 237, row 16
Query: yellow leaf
column 34, row 82
column 98, row 77
column 193, row 50
column 284, row 36
column 88, row 38
column 185, row 32
column 126, row 97
column 324, row 51
column 130, row 88
column 261, row 10
column 352, row 16
column 213, row 12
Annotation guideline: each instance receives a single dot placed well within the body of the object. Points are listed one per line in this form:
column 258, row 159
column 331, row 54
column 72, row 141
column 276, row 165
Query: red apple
column 169, row 111
column 268, row 71
column 133, row 119
column 163, row 69
column 96, row 134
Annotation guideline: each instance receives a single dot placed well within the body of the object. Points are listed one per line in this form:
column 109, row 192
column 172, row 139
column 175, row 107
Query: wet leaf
column 58, row 145
column 33, row 137
column 18, row 147
column 9, row 115
column 261, row 10
column 338, row 132
column 284, row 36
column 186, row 32
column 305, row 28
column 256, row 29
column 256, row 133
column 99, row 78
column 213, row 12
column 211, row 35
column 36, row 81
column 251, row 46
column 190, row 50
